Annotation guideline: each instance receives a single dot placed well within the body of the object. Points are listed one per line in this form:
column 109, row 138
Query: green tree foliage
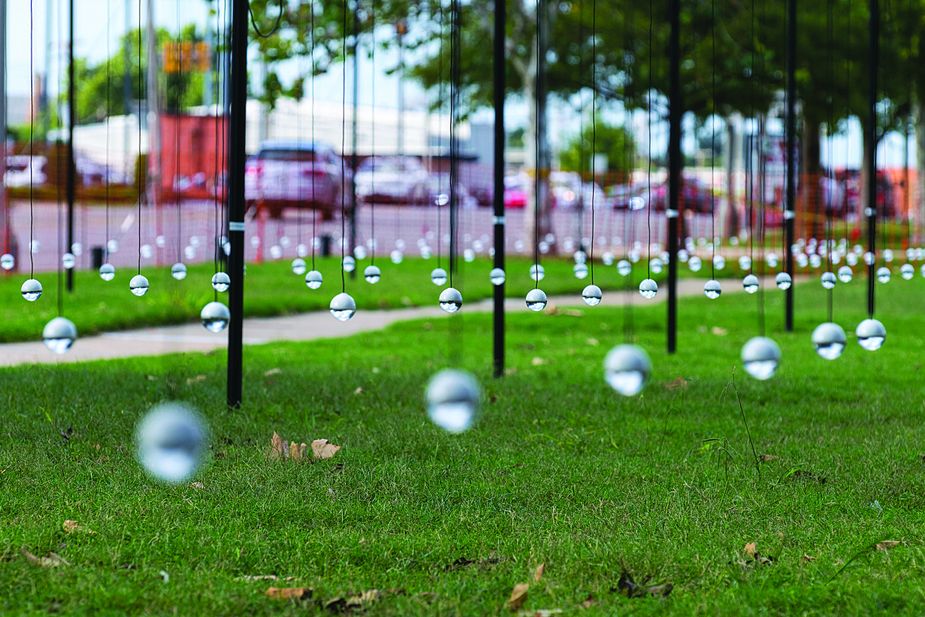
column 611, row 140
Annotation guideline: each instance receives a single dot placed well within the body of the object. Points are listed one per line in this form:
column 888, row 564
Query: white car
column 392, row 179
column 18, row 169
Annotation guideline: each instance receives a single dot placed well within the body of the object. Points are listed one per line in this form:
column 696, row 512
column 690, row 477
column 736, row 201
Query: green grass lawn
column 270, row 289
column 559, row 471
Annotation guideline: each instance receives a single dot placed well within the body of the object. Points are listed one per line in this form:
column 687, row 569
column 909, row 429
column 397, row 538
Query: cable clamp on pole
column 235, row 225
column 672, row 214
column 498, row 220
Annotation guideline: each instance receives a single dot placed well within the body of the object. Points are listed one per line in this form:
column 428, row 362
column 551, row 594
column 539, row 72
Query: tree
column 614, row 141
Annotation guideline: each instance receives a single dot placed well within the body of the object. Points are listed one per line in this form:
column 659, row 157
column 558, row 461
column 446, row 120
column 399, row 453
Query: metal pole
column 71, row 121
column 790, row 206
column 498, row 101
column 236, row 159
column 674, row 168
column 353, row 138
column 873, row 62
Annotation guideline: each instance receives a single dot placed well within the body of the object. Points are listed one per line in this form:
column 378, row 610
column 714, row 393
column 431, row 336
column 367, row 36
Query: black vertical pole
column 674, row 167
column 790, row 206
column 871, row 137
column 353, row 139
column 236, row 159
column 71, row 120
column 499, row 84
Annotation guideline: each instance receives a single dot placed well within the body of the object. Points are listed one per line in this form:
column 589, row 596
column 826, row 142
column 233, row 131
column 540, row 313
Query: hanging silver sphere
column 580, row 270
column 313, row 279
column 783, row 281
column 719, row 262
column 178, row 271
column 871, row 334
column 453, row 399
column 496, row 276
column 829, row 339
column 349, row 263
column 221, row 282
column 438, row 277
column 712, row 289
column 215, row 316
column 59, row 334
column 845, row 274
column 761, row 357
column 607, row 258
column 31, row 290
column 298, row 266
column 68, row 261
column 883, row 274
column 750, row 283
column 695, row 263
column 828, row 280
column 343, row 307
column 888, row 255
column 907, row 272
column 851, row 259
column 815, row 260
column 648, row 288
column 396, row 256
column 7, row 262
column 107, row 272
column 627, row 369
column 171, row 441
column 772, row 260
column 359, row 252
column 138, row 285
column 655, row 265
column 537, row 272
column 624, row 267
column 579, row 256
column 592, row 295
column 372, row 274
column 450, row 300
column 536, row 300
column 745, row 262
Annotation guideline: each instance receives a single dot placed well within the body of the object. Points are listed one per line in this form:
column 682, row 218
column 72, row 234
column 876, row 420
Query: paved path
column 303, row 327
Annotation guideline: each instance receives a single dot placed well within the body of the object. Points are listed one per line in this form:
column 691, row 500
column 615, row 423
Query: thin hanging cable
column 537, row 162
column 31, row 142
column 343, row 159
column 829, row 203
column 455, row 85
column 177, row 120
column 308, row 154
column 629, row 225
column 441, row 97
column 762, row 191
column 750, row 185
column 138, row 167
column 58, row 202
column 218, row 245
column 848, row 87
column 593, row 129
column 108, row 114
column 713, row 241
column 649, row 151
column 311, row 119
column 579, row 211
column 372, row 132
column 276, row 24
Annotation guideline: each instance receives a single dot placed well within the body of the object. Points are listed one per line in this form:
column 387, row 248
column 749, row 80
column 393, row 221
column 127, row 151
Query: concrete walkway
column 303, row 327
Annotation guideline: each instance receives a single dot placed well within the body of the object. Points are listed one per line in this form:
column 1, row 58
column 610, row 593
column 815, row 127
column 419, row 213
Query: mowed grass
column 559, row 471
column 270, row 289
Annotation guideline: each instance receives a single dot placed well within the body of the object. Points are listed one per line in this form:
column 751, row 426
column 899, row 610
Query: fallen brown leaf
column 197, row 379
column 70, row 526
column 538, row 573
column 289, row 593
column 278, row 449
column 272, row 372
column 717, row 331
column 537, row 361
column 808, row 558
column 750, row 549
column 588, row 602
column 593, row 342
column 358, row 391
column 678, row 383
column 885, row 545
column 52, row 560
column 197, row 485
column 767, row 458
column 518, row 597
column 324, row 449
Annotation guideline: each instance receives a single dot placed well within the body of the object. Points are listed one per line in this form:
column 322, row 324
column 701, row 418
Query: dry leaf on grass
column 631, row 589
column 196, row 379
column 750, row 549
column 538, row 573
column 278, row 448
column 197, row 485
column 272, row 372
column 538, row 361
column 289, row 593
column 262, row 577
column 356, row 602
column 324, row 449
column 589, row 601
column 72, row 526
column 717, row 331
column 678, row 383
column 885, row 545
column 767, row 458
column 593, row 342
column 808, row 558
column 518, row 597
column 52, row 560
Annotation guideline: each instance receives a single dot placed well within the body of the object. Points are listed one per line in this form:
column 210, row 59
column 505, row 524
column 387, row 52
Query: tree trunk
column 866, row 183
column 730, row 216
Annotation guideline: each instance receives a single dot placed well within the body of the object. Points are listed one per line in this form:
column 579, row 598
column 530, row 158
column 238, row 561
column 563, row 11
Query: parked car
column 851, row 196
column 695, row 196
column 439, row 192
column 288, row 174
column 392, row 179
column 18, row 168
column 515, row 191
